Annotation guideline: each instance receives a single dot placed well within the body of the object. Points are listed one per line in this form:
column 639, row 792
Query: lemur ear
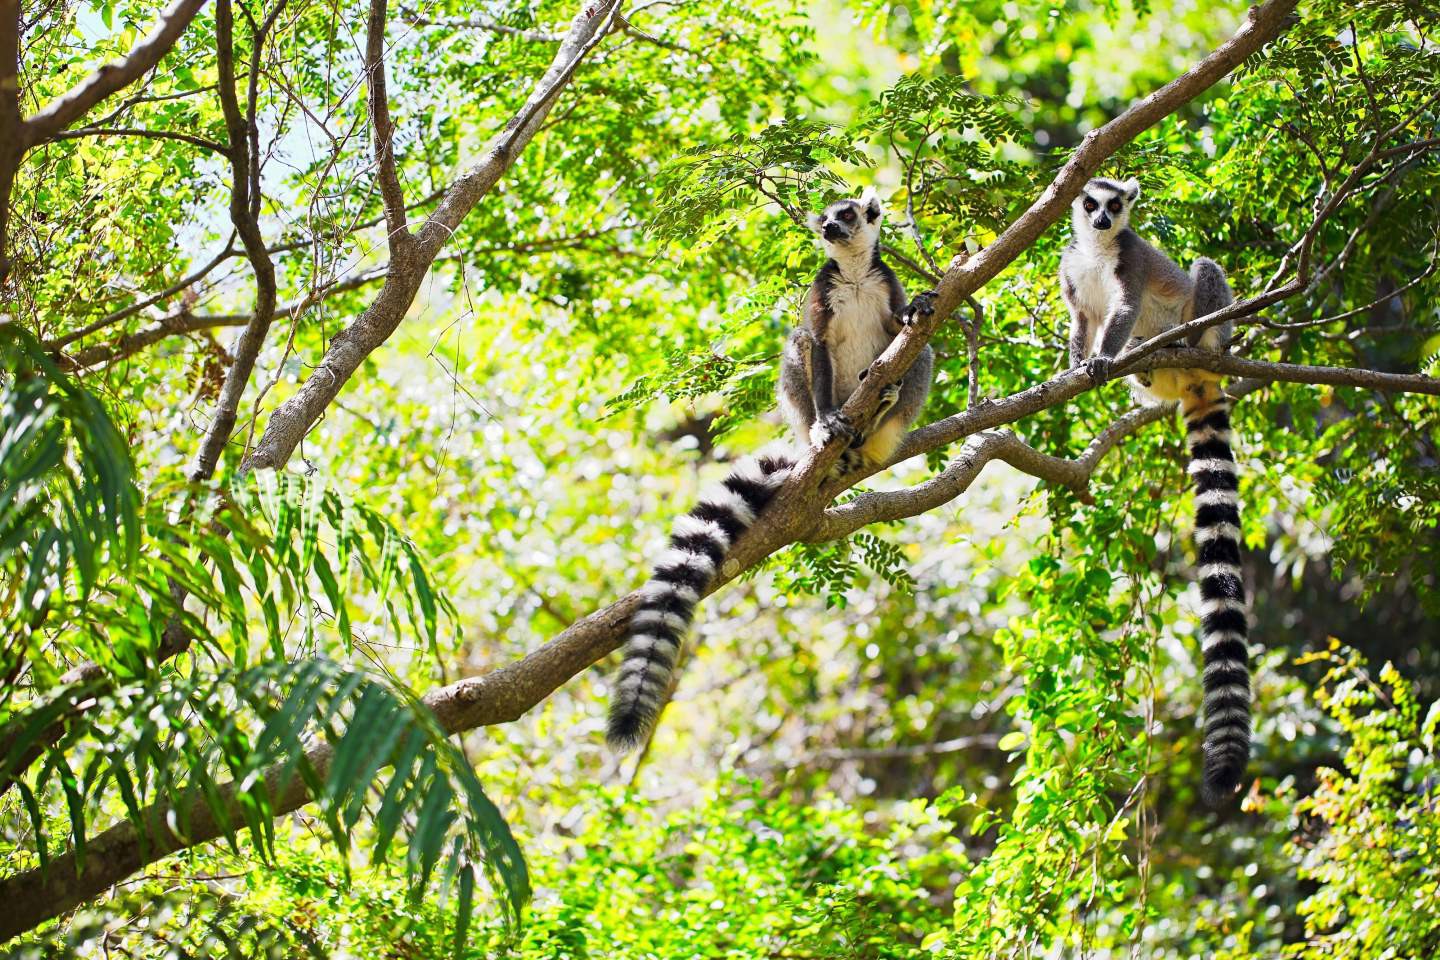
column 1132, row 189
column 815, row 222
column 871, row 202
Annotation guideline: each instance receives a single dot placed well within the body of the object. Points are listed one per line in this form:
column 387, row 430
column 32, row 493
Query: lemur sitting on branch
column 1121, row 291
column 856, row 306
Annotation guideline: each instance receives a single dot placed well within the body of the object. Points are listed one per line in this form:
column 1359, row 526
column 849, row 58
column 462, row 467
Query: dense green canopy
column 354, row 358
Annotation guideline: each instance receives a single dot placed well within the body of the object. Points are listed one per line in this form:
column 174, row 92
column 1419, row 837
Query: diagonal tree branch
column 293, row 418
column 12, row 124
column 111, row 77
column 10, row 118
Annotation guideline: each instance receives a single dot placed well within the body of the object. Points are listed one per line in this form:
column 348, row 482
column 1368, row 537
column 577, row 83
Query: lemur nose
column 833, row 231
column 1103, row 223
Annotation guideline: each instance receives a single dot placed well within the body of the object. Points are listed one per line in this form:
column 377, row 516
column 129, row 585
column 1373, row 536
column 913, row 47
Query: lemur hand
column 829, row 426
column 922, row 306
column 1098, row 367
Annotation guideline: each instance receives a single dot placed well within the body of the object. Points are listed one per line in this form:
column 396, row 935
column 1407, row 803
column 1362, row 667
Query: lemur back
column 849, row 321
column 1120, row 290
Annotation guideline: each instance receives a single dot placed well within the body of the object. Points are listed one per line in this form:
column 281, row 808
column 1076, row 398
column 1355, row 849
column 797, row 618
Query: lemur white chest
column 1092, row 270
column 856, row 335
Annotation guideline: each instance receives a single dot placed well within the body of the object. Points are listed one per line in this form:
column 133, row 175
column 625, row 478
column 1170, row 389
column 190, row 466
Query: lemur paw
column 922, row 306
column 889, row 395
column 830, row 426
column 1098, row 369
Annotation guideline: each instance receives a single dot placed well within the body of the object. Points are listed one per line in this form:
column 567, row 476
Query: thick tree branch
column 12, row 134
column 10, row 70
column 1194, row 358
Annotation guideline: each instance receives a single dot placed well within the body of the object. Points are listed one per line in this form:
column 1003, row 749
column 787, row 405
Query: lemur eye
column 1090, row 205
column 848, row 215
column 1113, row 206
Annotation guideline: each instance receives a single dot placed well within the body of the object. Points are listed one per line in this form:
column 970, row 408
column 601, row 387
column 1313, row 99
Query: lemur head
column 1103, row 207
column 849, row 226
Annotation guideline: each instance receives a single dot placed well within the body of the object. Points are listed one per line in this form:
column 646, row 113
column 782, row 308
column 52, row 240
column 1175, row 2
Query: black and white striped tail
column 698, row 544
column 1224, row 628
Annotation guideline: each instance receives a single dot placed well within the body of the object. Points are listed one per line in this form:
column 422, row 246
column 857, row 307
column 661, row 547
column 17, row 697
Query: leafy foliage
column 238, row 743
column 983, row 743
column 67, row 496
column 1372, row 846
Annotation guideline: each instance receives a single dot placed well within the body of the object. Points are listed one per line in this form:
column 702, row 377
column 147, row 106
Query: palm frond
column 228, row 746
column 68, row 503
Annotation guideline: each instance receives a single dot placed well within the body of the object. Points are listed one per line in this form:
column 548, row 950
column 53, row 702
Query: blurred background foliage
column 973, row 734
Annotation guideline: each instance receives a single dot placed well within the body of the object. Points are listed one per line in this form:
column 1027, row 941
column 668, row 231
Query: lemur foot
column 888, row 398
column 1098, row 369
column 830, row 426
column 922, row 306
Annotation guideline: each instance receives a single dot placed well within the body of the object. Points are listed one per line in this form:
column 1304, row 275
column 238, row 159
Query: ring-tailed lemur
column 855, row 308
column 1127, row 290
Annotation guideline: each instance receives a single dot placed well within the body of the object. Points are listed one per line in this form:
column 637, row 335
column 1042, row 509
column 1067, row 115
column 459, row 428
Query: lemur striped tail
column 698, row 545
column 1224, row 627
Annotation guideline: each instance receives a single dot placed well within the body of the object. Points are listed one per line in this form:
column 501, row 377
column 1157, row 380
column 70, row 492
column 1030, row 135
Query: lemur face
column 1104, row 205
column 849, row 225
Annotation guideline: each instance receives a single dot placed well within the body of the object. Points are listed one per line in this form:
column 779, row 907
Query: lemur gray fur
column 1122, row 290
column 855, row 308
